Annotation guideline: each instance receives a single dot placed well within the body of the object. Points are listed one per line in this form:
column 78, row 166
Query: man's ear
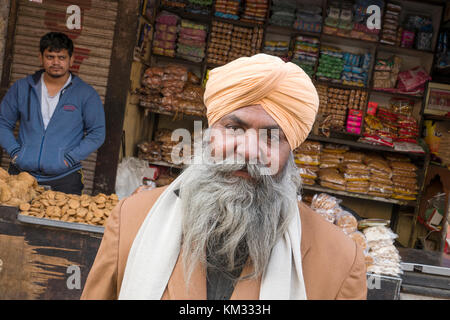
column 72, row 60
column 41, row 59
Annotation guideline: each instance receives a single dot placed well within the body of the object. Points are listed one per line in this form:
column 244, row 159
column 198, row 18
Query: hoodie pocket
column 54, row 165
column 26, row 159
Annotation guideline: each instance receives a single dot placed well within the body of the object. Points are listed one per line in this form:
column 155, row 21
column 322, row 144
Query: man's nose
column 247, row 146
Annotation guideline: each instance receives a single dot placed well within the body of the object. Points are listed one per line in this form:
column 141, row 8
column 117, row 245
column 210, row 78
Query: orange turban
column 283, row 89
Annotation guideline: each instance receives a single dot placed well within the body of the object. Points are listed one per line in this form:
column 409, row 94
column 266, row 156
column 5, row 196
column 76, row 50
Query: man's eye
column 235, row 129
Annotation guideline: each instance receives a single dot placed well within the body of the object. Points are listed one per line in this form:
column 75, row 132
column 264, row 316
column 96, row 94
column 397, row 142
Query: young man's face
column 240, row 136
column 56, row 63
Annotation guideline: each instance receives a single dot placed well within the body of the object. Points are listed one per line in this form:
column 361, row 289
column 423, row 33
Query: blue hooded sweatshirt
column 76, row 129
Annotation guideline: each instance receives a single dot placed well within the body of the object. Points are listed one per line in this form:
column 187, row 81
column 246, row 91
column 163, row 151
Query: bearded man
column 233, row 228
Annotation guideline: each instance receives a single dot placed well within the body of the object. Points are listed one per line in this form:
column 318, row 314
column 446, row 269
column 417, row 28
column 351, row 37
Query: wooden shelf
column 166, row 164
column 403, row 95
column 318, row 188
column 361, row 145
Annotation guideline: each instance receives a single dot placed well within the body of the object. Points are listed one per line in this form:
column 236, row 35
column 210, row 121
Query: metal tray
column 60, row 224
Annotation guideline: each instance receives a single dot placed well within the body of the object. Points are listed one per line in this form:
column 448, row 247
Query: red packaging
column 354, row 112
column 372, row 108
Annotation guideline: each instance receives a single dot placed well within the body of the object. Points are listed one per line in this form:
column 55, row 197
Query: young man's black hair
column 56, row 41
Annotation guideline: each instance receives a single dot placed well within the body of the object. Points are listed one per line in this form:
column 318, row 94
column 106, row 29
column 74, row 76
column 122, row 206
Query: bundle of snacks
column 227, row 9
column 329, row 208
column 17, row 189
column 255, row 11
column 322, row 91
column 386, row 72
column 87, row 209
column 307, row 159
column 404, row 177
column 337, row 106
column 172, row 89
column 354, row 121
column 391, row 21
column 306, row 52
column 385, row 257
column 230, row 42
column 339, row 18
column 347, row 222
column 283, row 13
column 331, row 178
column 276, row 48
column 380, row 176
column 331, row 64
column 326, row 205
column 220, row 42
column 308, row 18
column 191, row 41
column 165, row 34
column 245, row 42
column 199, row 6
column 356, row 69
column 356, row 173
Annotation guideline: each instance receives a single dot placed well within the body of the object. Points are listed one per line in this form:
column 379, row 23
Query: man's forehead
column 58, row 52
column 252, row 116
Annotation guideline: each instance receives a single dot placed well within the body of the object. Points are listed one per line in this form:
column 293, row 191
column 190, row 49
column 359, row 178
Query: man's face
column 56, row 63
column 251, row 134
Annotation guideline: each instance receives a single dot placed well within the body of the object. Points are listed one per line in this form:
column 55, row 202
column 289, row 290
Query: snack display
column 306, row 52
column 386, row 72
column 255, row 11
column 386, row 259
column 306, row 156
column 283, row 13
column 393, row 124
column 199, row 6
column 331, row 64
column 16, row 190
column 308, row 18
column 161, row 148
column 166, row 34
column 342, row 108
column 227, row 9
column 277, row 48
column 191, row 41
column 229, row 42
column 390, row 32
column 404, row 179
column 173, row 90
column 93, row 210
column 349, row 19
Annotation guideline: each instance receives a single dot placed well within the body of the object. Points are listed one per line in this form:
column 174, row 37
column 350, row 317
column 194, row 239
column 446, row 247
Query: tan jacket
column 333, row 266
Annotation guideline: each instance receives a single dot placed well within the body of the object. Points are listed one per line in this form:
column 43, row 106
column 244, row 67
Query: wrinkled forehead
column 253, row 116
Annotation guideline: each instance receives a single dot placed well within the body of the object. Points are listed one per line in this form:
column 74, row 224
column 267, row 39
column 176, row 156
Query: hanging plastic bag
column 130, row 175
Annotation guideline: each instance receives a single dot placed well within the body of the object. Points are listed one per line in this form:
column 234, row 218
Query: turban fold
column 283, row 89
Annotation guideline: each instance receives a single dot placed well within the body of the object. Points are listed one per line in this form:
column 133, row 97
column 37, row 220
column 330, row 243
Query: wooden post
column 116, row 95
column 8, row 56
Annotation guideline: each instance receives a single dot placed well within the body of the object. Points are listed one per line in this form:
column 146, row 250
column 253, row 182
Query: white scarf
column 156, row 247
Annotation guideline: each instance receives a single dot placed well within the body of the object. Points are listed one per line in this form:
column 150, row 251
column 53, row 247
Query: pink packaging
column 354, row 118
column 407, row 39
column 356, row 124
column 351, row 129
column 412, row 79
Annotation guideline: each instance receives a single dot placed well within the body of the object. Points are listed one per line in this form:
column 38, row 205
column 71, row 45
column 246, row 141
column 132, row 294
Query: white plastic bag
column 130, row 174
